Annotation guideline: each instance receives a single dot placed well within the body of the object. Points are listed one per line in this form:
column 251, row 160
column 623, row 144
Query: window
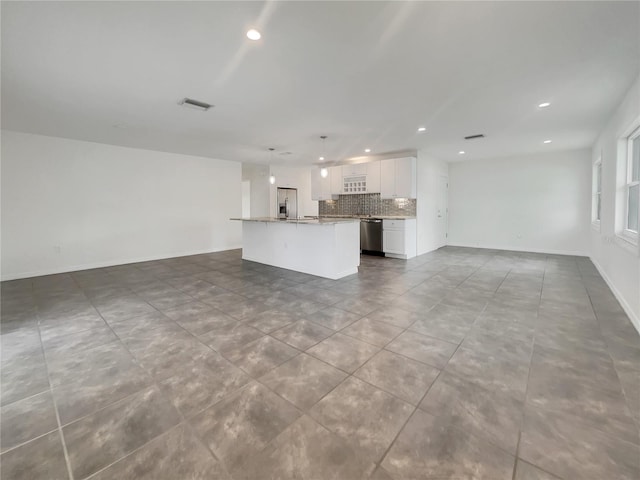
column 596, row 192
column 632, row 184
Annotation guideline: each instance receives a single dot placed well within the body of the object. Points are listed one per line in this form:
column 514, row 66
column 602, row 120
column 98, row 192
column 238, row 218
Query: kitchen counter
column 326, row 247
column 307, row 221
column 358, row 217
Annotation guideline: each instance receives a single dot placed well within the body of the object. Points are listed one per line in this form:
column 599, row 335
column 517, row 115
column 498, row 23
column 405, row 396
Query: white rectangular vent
column 197, row 104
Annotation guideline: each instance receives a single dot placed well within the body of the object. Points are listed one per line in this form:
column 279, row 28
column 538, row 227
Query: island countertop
column 305, row 221
column 330, row 250
column 383, row 217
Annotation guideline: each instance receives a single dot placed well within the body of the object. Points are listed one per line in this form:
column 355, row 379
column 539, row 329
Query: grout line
column 55, row 408
column 31, row 439
column 134, row 451
column 301, row 282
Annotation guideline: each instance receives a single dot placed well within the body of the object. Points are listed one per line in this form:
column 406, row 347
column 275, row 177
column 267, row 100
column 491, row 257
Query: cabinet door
column 373, row 177
column 387, row 178
column 354, row 170
column 316, row 184
column 406, row 177
column 393, row 241
column 325, row 186
column 335, row 174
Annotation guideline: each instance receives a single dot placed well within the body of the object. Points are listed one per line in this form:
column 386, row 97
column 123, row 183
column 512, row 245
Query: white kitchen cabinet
column 406, row 177
column 354, row 170
column 399, row 238
column 320, row 186
column 393, row 241
column 373, row 177
column 398, row 178
column 388, row 178
column 354, row 179
column 335, row 173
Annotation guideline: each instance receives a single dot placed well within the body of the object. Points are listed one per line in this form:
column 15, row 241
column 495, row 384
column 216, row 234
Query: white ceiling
column 366, row 74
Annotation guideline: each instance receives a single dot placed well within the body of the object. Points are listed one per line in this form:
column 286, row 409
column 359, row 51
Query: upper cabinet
column 394, row 178
column 335, row 173
column 320, row 186
column 354, row 170
column 373, row 177
column 354, row 179
column 361, row 178
column 387, row 178
column 398, row 178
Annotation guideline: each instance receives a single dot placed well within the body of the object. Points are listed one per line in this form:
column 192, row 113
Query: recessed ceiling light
column 422, row 129
column 367, row 150
column 547, row 141
column 461, row 152
column 253, row 34
column 544, row 105
column 321, row 158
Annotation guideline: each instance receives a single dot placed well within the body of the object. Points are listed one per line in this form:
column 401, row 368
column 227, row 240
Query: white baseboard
column 575, row 253
column 109, row 263
column 635, row 321
column 338, row 276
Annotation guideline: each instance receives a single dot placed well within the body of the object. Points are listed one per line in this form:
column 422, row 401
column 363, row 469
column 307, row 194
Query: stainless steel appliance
column 371, row 236
column 287, row 206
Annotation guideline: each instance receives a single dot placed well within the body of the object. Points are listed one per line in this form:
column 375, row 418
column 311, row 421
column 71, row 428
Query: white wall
column 538, row 203
column 246, row 198
column 430, row 234
column 258, row 175
column 69, row 205
column 618, row 261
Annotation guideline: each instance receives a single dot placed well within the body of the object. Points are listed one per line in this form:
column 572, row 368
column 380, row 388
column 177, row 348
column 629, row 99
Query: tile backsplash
column 368, row 204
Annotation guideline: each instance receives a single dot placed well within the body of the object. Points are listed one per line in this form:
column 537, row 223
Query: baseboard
column 573, row 253
column 635, row 321
column 110, row 263
column 338, row 276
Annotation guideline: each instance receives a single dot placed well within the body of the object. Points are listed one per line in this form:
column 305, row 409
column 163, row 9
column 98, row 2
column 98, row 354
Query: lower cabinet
column 393, row 241
column 399, row 238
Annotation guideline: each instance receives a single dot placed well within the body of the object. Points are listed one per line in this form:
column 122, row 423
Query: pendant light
column 324, row 172
column 272, row 178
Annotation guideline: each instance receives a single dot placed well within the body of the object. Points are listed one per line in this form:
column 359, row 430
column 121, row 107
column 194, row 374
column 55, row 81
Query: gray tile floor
column 459, row 364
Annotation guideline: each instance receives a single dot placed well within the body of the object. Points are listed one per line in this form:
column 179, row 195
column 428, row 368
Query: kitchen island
column 326, row 247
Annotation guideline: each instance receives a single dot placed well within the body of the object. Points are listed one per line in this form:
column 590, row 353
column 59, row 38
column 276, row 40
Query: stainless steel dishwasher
column 371, row 236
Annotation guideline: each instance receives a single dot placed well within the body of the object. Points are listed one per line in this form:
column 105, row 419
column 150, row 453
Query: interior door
column 442, row 209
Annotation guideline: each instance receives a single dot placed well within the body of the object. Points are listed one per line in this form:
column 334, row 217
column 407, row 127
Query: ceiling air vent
column 198, row 105
column 473, row 137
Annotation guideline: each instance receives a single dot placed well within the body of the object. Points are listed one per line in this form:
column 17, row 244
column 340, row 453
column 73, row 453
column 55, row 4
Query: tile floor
column 459, row 364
